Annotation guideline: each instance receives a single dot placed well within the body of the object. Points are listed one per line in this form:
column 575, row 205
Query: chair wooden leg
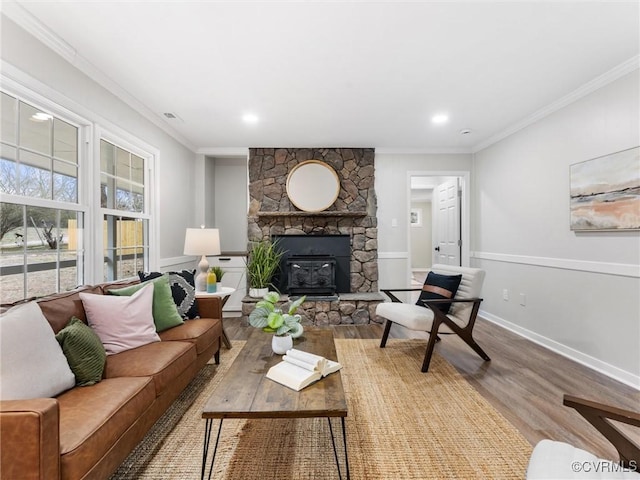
column 468, row 339
column 433, row 338
column 385, row 334
column 472, row 343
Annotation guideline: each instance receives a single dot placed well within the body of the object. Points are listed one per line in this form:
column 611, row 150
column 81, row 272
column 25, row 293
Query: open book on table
column 299, row 369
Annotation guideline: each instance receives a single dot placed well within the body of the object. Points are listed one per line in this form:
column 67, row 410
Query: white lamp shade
column 202, row 241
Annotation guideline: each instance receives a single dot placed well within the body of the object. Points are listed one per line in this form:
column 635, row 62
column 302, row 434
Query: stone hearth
column 350, row 309
column 353, row 213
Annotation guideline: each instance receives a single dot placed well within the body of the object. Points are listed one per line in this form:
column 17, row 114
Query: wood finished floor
column 524, row 381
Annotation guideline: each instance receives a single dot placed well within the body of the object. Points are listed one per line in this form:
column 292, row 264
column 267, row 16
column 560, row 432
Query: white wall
column 421, row 248
column 582, row 290
column 393, row 193
column 175, row 169
column 211, row 196
column 230, row 186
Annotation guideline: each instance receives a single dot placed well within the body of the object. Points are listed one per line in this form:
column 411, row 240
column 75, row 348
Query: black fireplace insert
column 314, row 264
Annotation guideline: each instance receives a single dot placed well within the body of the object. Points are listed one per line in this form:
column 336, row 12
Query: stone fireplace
column 352, row 217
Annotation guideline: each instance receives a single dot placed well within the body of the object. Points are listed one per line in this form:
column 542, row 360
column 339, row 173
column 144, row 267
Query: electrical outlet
column 523, row 299
column 505, row 295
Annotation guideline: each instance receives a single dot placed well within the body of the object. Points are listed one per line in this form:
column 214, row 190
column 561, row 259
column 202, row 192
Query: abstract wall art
column 605, row 192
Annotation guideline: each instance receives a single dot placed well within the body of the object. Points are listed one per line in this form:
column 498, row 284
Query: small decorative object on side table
column 223, row 293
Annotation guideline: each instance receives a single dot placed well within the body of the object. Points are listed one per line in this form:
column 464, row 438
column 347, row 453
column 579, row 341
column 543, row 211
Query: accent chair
column 448, row 304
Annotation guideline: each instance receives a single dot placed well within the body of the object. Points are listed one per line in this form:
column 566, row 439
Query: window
column 41, row 220
column 40, row 251
column 125, row 214
column 74, row 208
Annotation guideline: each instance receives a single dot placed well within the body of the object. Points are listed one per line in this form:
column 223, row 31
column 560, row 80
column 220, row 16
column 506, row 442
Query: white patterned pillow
column 32, row 364
column 182, row 289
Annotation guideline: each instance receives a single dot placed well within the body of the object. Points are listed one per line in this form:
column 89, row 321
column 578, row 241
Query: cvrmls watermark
column 603, row 466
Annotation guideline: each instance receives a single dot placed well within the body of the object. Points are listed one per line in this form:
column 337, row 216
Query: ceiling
column 357, row 73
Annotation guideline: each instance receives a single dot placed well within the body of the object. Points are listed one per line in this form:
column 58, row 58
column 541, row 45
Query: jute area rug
column 402, row 424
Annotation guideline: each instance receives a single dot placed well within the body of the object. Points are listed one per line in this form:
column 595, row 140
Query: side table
column 223, row 293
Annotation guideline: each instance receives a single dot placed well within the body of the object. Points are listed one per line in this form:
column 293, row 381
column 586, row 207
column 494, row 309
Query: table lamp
column 202, row 241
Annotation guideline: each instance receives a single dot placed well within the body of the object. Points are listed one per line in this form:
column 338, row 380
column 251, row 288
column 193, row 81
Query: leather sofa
column 86, row 432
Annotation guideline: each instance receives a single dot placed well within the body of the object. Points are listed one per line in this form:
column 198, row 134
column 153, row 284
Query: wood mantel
column 311, row 214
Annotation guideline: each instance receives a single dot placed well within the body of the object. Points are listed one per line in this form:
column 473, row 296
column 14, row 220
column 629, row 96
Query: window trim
column 84, row 128
column 150, row 155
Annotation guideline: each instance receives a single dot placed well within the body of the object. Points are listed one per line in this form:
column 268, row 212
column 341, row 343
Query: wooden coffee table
column 245, row 392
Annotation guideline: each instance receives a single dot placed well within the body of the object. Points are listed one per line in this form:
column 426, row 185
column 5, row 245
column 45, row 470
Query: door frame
column 465, row 211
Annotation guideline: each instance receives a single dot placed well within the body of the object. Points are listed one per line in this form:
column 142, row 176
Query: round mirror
column 313, row 186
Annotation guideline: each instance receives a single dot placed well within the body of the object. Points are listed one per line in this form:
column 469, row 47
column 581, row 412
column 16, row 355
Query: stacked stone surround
column 351, row 309
column 353, row 213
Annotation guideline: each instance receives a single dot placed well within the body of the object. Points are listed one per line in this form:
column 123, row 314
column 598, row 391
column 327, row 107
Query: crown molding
column 224, row 151
column 42, row 33
column 244, row 151
column 423, row 151
column 612, row 75
column 29, row 23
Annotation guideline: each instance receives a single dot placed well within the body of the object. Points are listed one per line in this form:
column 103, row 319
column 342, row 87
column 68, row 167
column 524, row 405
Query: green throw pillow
column 84, row 351
column 164, row 310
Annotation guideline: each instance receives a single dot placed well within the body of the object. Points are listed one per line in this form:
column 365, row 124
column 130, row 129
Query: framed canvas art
column 605, row 192
column 416, row 217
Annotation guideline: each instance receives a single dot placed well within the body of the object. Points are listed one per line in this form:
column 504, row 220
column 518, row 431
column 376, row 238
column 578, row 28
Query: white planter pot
column 258, row 292
column 280, row 345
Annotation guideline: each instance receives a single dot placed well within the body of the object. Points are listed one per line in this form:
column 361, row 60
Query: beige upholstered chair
column 460, row 320
column 552, row 460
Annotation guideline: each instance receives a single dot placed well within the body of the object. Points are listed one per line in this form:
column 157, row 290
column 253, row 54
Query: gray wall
column 421, row 248
column 582, row 290
column 230, row 187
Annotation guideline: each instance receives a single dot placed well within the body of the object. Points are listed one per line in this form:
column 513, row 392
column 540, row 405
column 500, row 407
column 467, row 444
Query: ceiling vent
column 171, row 116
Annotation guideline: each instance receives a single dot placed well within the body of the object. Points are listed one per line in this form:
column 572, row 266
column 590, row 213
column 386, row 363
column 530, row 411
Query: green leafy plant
column 218, row 271
column 263, row 262
column 270, row 318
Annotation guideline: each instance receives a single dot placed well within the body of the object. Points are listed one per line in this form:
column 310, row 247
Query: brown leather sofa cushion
column 93, row 418
column 164, row 361
column 59, row 308
column 201, row 331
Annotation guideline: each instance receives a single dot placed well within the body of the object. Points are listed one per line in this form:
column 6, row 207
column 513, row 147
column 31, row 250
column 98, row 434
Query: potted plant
column 270, row 318
column 263, row 262
column 219, row 274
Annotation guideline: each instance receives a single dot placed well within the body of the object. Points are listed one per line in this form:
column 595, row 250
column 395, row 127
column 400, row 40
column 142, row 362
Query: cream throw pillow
column 32, row 364
column 122, row 323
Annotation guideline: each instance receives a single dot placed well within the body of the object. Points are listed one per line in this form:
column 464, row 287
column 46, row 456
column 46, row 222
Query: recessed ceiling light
column 250, row 118
column 41, row 117
column 440, row 118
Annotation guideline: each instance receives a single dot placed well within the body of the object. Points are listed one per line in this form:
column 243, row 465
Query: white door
column 446, row 224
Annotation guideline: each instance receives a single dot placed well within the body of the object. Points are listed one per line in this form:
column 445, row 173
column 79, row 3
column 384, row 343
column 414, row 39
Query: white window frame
column 150, row 156
column 84, row 126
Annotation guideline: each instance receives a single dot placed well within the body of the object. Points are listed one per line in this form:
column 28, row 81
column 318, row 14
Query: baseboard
column 588, row 361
